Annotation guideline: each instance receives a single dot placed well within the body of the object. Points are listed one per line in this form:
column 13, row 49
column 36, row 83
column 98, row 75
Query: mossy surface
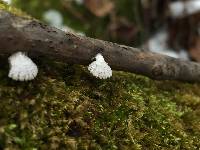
column 66, row 108
column 13, row 10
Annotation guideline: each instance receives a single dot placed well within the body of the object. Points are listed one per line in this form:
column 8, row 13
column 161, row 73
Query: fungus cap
column 99, row 68
column 22, row 68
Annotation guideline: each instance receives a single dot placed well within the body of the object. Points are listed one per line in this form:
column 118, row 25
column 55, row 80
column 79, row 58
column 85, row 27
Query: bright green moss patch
column 68, row 108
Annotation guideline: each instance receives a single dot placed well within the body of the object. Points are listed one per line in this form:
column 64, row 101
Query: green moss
column 13, row 10
column 67, row 107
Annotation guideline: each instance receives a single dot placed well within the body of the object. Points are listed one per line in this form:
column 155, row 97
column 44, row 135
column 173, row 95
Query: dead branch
column 38, row 40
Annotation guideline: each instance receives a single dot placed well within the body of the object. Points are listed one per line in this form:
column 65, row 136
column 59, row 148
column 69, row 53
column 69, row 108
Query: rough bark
column 40, row 40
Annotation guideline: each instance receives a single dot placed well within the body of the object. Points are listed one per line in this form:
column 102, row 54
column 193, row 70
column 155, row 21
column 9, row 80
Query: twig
column 38, row 39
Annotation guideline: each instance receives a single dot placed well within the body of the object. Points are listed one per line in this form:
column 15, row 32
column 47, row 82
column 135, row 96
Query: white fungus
column 22, row 68
column 99, row 68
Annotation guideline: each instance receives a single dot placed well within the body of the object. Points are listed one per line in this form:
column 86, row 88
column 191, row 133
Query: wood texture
column 40, row 40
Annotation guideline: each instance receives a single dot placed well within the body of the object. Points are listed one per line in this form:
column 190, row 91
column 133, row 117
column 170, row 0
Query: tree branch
column 38, row 40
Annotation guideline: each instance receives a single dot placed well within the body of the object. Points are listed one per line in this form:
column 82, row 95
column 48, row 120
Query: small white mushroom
column 22, row 68
column 99, row 68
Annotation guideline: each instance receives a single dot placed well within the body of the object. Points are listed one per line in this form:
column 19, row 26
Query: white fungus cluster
column 99, row 68
column 22, row 68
